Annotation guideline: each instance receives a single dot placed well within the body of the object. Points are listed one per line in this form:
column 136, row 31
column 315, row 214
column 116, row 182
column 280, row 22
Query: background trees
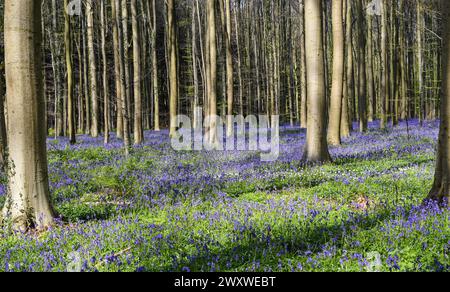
column 391, row 58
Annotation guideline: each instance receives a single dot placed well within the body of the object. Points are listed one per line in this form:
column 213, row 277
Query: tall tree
column 303, row 87
column 28, row 202
column 229, row 61
column 115, row 6
column 92, row 68
column 384, row 89
column 362, row 84
column 334, row 127
column 155, row 68
column 349, row 92
column 212, row 86
column 138, row 130
column 316, row 147
column 441, row 186
column 105, row 72
column 173, row 63
column 70, row 81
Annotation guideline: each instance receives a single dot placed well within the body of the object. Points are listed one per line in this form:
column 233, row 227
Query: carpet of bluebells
column 162, row 210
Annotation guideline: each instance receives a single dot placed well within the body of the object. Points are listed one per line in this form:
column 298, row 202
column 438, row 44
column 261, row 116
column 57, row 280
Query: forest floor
column 162, row 210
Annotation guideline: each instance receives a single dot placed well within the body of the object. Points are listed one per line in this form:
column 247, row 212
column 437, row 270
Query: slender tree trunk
column 138, row 131
column 349, row 84
column 370, row 75
column 334, row 127
column 212, row 93
column 92, row 68
column 28, row 202
column 384, row 90
column 173, row 61
column 362, row 92
column 419, row 54
column 70, row 82
column 155, row 68
column 105, row 72
column 115, row 6
column 239, row 65
column 3, row 132
column 303, row 87
column 126, row 103
column 229, row 65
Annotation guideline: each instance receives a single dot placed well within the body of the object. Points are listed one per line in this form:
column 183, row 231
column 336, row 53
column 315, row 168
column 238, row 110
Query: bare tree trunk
column 3, row 132
column 370, row 79
column 362, row 92
column 173, row 71
column 441, row 186
column 138, row 131
column 105, row 72
column 92, row 67
column 212, row 93
column 229, row 61
column 334, row 127
column 316, row 147
column 126, row 102
column 28, row 202
column 70, row 84
column 384, row 91
column 303, row 87
column 115, row 6
column 349, row 77
column 155, row 69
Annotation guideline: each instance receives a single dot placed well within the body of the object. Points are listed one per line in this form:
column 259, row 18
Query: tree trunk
column 92, row 68
column 28, row 202
column 105, row 72
column 155, row 69
column 316, row 148
column 384, row 91
column 212, row 93
column 173, row 72
column 334, row 127
column 349, row 84
column 303, row 87
column 229, row 65
column 115, row 6
column 70, row 84
column 138, row 131
column 441, row 186
column 362, row 91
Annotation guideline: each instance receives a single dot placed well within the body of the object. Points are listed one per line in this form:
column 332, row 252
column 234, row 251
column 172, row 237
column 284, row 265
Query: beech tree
column 173, row 71
column 316, row 147
column 334, row 127
column 441, row 186
column 28, row 202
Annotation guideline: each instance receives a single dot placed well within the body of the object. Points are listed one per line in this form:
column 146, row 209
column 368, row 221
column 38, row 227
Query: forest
column 224, row 135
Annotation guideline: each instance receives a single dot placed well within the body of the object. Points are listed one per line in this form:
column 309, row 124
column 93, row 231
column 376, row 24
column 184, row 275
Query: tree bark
column 316, row 147
column 138, row 131
column 28, row 202
column 173, row 63
column 334, row 127
column 441, row 186
column 92, row 68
